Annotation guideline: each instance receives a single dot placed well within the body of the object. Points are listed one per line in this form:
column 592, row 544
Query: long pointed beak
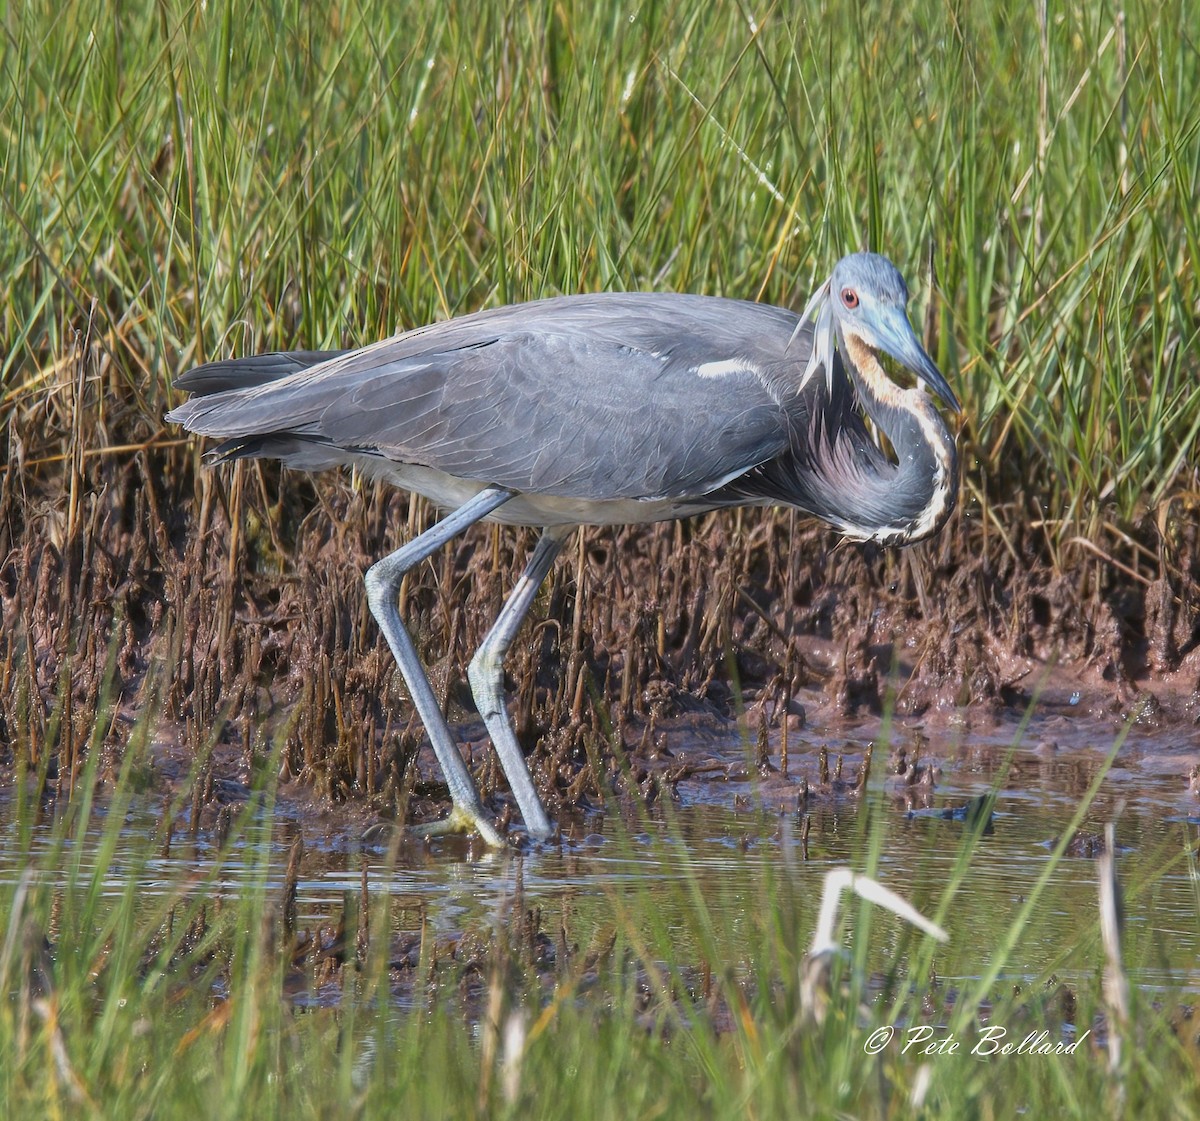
column 895, row 337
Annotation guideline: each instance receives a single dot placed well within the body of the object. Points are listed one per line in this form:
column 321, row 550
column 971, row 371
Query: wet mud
column 215, row 620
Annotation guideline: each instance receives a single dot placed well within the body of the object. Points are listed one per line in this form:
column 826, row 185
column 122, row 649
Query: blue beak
column 895, row 337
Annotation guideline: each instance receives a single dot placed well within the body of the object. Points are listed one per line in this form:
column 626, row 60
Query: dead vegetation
column 230, row 603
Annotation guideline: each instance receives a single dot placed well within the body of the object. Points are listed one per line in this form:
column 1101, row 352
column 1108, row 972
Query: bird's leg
column 486, row 674
column 383, row 593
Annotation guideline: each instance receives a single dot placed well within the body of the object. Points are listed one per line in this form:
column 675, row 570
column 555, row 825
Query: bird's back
column 610, row 396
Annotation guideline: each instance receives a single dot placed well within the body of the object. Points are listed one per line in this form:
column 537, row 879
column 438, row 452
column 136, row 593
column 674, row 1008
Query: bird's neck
column 917, row 496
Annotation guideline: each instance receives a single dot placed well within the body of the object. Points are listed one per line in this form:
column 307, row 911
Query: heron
column 602, row 409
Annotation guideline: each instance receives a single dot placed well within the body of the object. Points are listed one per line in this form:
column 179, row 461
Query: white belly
column 538, row 510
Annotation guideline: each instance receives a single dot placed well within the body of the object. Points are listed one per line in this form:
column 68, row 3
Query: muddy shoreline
column 222, row 612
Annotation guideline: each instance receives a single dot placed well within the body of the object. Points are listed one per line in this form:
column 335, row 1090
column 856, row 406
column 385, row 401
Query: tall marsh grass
column 181, row 180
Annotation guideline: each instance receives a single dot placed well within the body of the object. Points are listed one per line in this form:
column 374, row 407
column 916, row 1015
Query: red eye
column 850, row 298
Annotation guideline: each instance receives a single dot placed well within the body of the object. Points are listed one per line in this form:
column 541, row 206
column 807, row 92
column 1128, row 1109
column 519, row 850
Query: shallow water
column 719, row 839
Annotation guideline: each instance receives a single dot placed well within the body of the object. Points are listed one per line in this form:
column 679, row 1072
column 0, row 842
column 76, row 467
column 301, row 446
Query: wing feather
column 583, row 397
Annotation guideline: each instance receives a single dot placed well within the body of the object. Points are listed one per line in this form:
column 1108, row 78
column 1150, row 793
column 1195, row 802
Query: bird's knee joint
column 382, row 578
column 484, row 670
column 376, row 592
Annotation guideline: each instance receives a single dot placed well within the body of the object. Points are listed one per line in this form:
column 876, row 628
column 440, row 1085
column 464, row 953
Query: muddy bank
column 222, row 612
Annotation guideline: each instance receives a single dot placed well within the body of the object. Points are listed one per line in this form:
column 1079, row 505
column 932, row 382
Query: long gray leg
column 383, row 593
column 486, row 674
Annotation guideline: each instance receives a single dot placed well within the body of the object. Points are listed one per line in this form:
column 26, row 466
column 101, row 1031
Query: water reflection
column 723, row 844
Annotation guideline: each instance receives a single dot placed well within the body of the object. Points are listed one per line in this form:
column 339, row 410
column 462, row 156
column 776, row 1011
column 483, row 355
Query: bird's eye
column 850, row 298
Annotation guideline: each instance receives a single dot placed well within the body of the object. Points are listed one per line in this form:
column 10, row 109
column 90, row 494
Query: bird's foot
column 463, row 819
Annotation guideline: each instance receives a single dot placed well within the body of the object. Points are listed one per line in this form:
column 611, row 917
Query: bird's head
column 865, row 299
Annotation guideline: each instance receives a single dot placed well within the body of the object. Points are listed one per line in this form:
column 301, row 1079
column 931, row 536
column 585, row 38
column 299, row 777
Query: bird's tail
column 253, row 370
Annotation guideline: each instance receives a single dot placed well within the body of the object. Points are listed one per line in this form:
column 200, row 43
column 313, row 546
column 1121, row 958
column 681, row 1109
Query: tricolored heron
column 602, row 409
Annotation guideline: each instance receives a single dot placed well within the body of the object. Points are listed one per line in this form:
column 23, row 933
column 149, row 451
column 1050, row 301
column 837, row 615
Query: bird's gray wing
column 560, row 410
